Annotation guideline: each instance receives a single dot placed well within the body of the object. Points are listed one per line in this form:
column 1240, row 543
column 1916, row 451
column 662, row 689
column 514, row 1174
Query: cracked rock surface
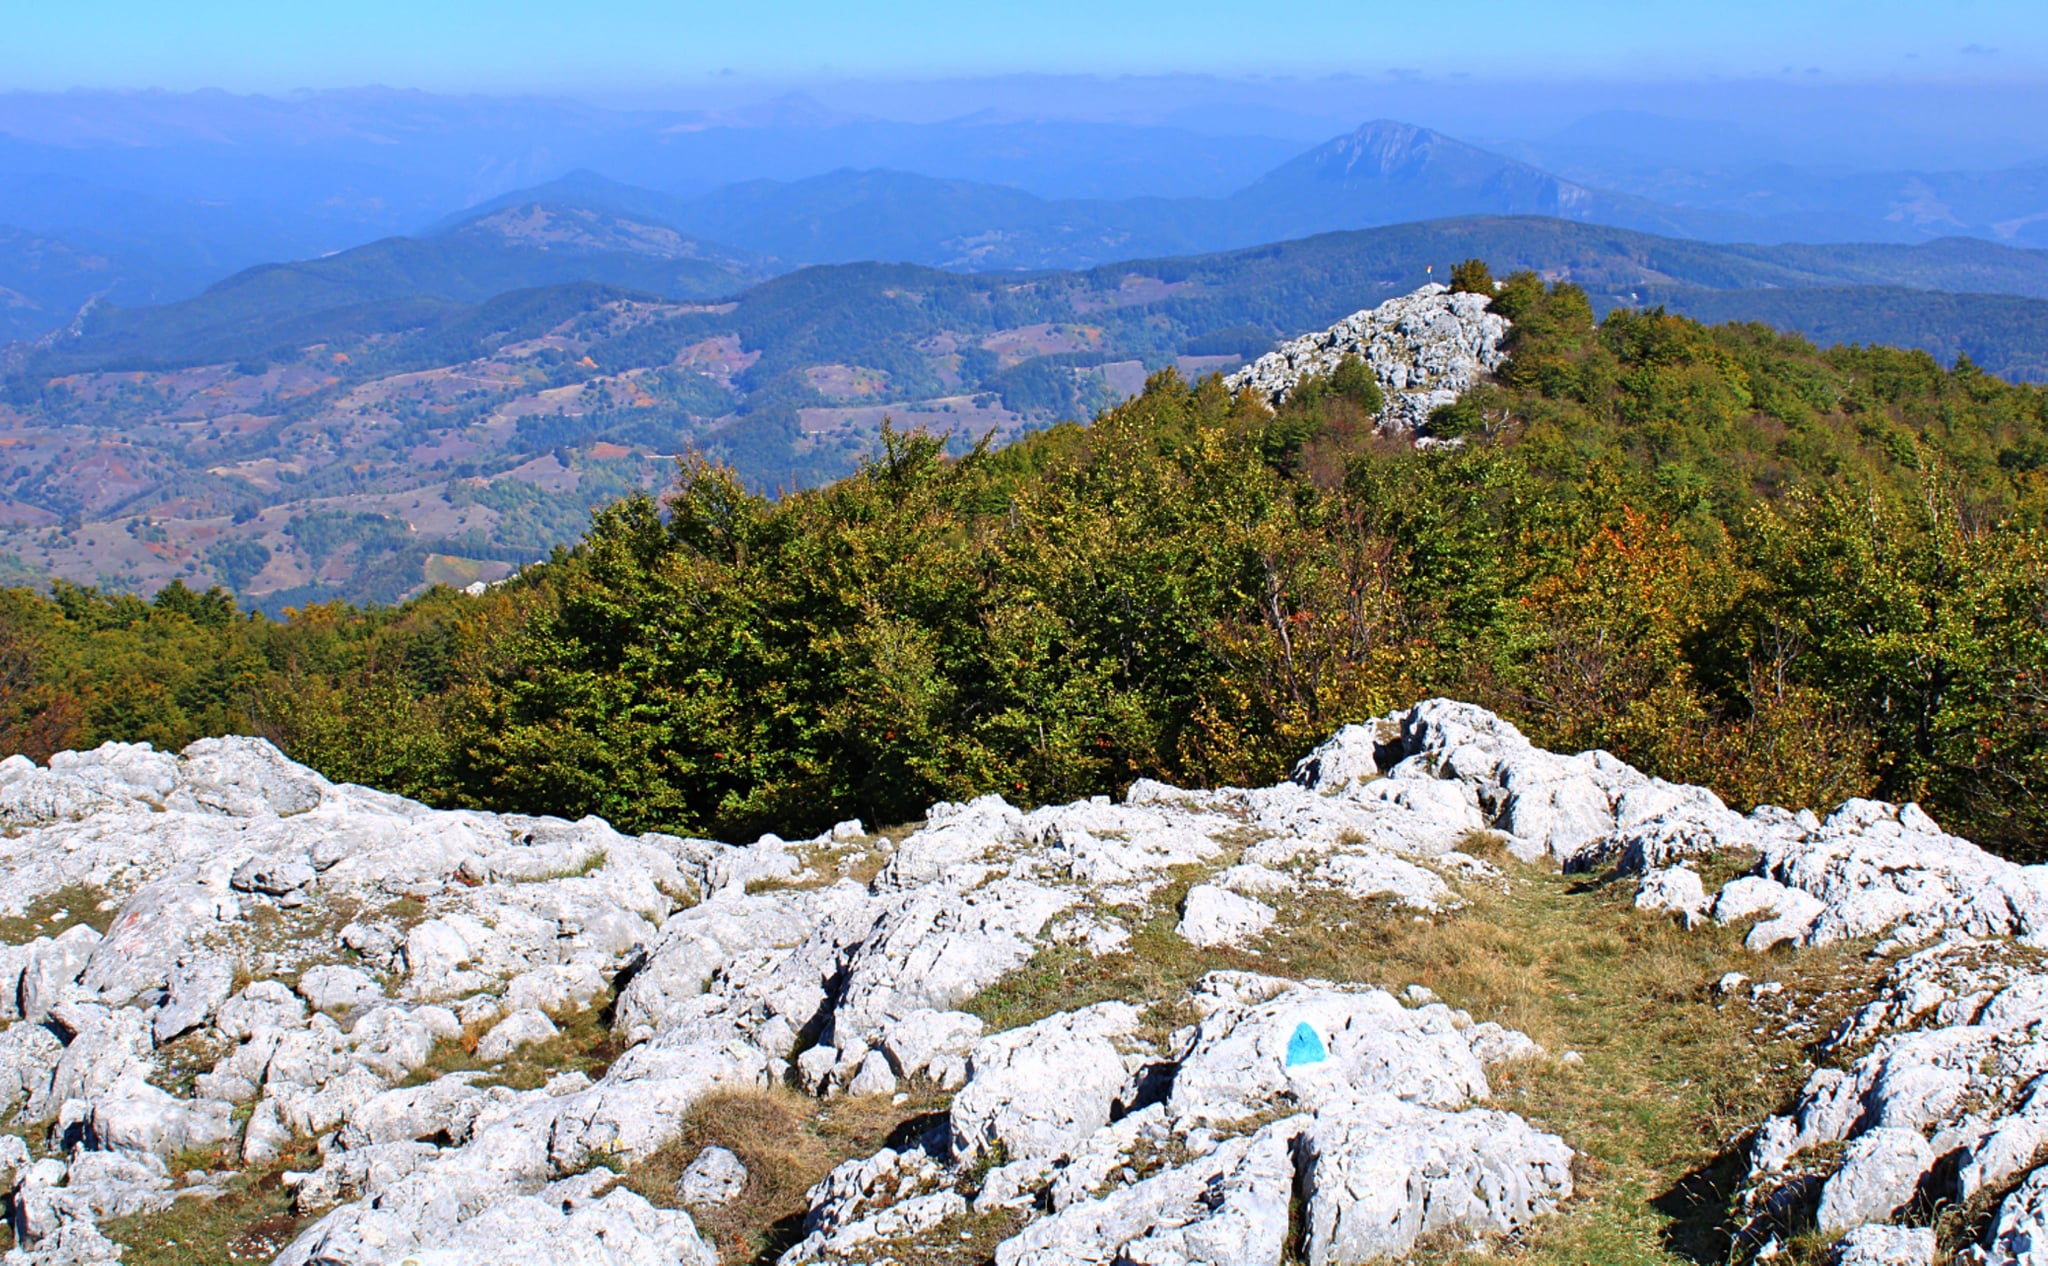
column 1426, row 349
column 287, row 964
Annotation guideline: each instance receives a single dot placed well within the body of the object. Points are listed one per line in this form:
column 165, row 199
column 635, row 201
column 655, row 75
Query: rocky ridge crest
column 1426, row 349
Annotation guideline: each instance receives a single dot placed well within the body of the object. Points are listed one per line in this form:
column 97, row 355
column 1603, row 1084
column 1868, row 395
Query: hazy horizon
column 467, row 45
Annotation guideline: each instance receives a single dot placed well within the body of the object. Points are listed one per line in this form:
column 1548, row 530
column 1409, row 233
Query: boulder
column 1214, row 916
column 1041, row 1089
column 51, row 967
column 1266, row 1041
column 935, row 1043
column 939, row 948
column 2018, row 1235
column 140, row 1119
column 1881, row 1170
column 272, row 875
column 521, row 1028
column 714, row 1179
column 545, row 1229
column 443, row 1110
column 1676, row 889
column 1229, row 1206
column 248, row 778
column 871, row 1076
column 1367, row 875
column 332, row 988
column 863, row 1200
column 264, row 1004
column 1381, row 1173
column 1342, row 762
column 198, row 987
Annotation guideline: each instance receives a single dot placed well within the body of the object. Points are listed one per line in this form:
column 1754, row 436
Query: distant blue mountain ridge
column 74, row 238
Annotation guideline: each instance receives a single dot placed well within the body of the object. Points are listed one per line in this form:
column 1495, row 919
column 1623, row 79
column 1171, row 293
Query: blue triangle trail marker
column 1305, row 1047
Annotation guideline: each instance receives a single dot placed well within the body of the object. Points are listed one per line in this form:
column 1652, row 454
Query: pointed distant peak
column 1391, row 136
column 1392, row 127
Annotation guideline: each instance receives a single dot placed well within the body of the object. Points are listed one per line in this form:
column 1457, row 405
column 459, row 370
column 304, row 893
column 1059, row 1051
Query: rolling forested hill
column 362, row 424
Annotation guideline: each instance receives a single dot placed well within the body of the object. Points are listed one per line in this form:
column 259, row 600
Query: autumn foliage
column 1725, row 556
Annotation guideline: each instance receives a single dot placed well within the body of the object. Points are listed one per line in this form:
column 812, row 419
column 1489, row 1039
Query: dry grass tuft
column 826, row 864
column 251, row 1222
column 587, row 1043
column 57, row 912
column 1672, row 1078
column 788, row 1142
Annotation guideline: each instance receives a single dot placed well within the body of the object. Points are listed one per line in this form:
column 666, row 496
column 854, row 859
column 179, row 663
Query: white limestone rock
column 28, row 1057
column 1674, row 888
column 444, row 1109
column 521, row 1028
column 263, row 1005
column 1099, row 937
column 939, row 948
column 247, row 778
column 1381, row 1173
column 1792, row 913
column 509, row 918
column 273, row 875
column 2018, row 1235
column 871, row 1076
column 95, row 1186
column 72, row 1244
column 557, row 989
column 1098, row 1163
column 140, row 1119
column 1122, row 852
column 933, row 1043
column 1365, row 876
column 1343, row 761
column 1228, row 1206
column 1880, row 1172
column 546, row 1229
column 1214, row 916
column 713, row 1180
column 1926, row 1081
column 350, row 1173
column 111, row 776
column 1875, row 1244
column 108, row 1049
column 1265, row 1041
column 888, row 1194
column 1879, row 868
column 332, row 988
column 1042, row 1089
column 51, row 966
column 1426, row 349
column 1494, row 1044
column 1256, row 881
column 198, row 986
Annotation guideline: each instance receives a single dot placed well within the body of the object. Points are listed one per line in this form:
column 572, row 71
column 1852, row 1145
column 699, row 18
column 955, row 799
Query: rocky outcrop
column 316, row 949
column 1426, row 349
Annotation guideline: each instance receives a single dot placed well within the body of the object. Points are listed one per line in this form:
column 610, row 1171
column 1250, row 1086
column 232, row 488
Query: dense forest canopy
column 1731, row 558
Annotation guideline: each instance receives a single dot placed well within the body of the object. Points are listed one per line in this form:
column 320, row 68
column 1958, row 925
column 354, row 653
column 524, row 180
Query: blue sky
column 632, row 44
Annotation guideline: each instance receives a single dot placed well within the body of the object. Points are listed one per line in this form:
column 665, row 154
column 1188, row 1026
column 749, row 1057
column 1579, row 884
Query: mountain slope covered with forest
column 1729, row 557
